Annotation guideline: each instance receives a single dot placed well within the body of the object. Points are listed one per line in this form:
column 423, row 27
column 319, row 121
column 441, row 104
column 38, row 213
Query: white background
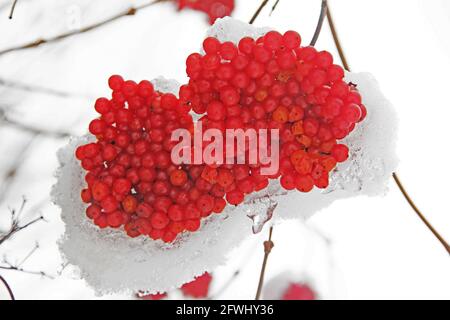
column 379, row 249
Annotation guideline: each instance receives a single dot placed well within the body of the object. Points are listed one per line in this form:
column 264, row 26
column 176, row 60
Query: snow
column 111, row 262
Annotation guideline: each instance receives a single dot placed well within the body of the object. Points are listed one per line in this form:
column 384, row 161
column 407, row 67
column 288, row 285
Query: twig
column 258, row 11
column 337, row 42
column 8, row 288
column 13, row 7
column 268, row 246
column 34, row 44
column 274, row 7
column 16, row 225
column 419, row 213
column 395, row 176
column 323, row 13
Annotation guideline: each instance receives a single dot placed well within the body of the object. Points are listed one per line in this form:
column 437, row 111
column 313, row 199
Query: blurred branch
column 34, row 44
column 38, row 89
column 13, row 7
column 33, row 130
column 12, row 171
column 323, row 12
column 268, row 246
column 8, row 288
column 395, row 176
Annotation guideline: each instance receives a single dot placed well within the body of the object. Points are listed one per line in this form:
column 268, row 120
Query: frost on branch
column 110, row 261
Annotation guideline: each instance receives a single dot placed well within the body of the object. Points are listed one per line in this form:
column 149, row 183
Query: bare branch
column 420, row 214
column 395, row 176
column 33, row 130
column 12, row 171
column 323, row 12
column 8, row 288
column 268, row 246
column 17, row 225
column 34, row 44
column 258, row 11
column 274, row 7
column 13, row 7
column 39, row 89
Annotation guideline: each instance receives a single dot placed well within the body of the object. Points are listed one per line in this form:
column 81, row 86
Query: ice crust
column 110, row 261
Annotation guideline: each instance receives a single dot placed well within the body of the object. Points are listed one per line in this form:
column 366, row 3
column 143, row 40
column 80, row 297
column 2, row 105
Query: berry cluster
column 213, row 8
column 131, row 179
column 270, row 83
column 273, row 83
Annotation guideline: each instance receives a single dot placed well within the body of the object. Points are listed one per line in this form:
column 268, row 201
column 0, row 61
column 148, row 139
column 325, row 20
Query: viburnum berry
column 265, row 83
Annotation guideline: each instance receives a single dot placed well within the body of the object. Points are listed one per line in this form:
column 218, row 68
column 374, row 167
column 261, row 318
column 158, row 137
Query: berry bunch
column 213, row 8
column 270, row 83
column 131, row 179
column 274, row 83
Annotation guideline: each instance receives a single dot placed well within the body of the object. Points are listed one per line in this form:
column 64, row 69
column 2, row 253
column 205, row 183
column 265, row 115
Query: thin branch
column 258, row 11
column 274, row 7
column 13, row 7
column 337, row 42
column 268, row 246
column 14, row 169
column 38, row 89
column 419, row 213
column 33, row 130
column 16, row 224
column 8, row 288
column 34, row 44
column 323, row 13
column 395, row 176
column 6, row 265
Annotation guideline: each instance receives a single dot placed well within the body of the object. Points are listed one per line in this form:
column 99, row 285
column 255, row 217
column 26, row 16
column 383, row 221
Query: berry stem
column 337, row 42
column 258, row 11
column 268, row 246
column 274, row 6
column 323, row 13
column 11, row 294
column 419, row 213
column 395, row 176
column 13, row 7
column 34, row 44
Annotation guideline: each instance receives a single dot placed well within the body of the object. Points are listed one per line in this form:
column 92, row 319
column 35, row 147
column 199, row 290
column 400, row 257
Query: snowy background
column 356, row 249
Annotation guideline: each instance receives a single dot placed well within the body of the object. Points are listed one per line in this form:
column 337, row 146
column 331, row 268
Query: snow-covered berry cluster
column 273, row 83
column 270, row 83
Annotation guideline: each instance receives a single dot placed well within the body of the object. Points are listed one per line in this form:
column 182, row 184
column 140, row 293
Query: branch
column 268, row 246
column 419, row 213
column 33, row 130
column 34, row 44
column 38, row 89
column 395, row 176
column 8, row 288
column 16, row 225
column 323, row 13
column 337, row 42
column 274, row 7
column 12, row 171
column 13, row 7
column 258, row 11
